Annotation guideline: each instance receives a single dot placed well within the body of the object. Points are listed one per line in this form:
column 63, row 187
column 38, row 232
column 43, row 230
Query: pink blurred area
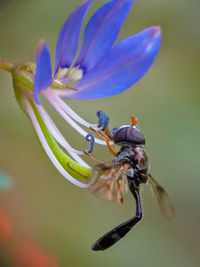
column 30, row 255
column 22, row 253
column 5, row 226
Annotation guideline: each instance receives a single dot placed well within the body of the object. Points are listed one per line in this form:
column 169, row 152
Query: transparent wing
column 109, row 181
column 164, row 202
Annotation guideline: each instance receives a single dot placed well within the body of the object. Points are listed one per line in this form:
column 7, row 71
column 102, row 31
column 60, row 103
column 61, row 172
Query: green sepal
column 23, row 75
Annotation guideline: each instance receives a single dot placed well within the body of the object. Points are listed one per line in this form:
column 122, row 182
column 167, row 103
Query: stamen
column 103, row 120
column 76, row 74
column 61, row 72
column 47, row 148
column 68, row 110
column 90, row 138
column 67, row 77
column 62, row 107
column 67, row 118
column 60, row 138
column 62, row 92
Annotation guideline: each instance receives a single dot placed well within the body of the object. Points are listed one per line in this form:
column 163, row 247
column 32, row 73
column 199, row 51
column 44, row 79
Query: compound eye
column 114, row 130
column 136, row 136
column 129, row 134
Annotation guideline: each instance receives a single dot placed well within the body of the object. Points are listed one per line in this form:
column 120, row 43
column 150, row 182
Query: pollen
column 67, row 77
column 61, row 72
column 75, row 74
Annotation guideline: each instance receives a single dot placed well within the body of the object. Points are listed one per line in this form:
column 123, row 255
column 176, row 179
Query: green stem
column 5, row 65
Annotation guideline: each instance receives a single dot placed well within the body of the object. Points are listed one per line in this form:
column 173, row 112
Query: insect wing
column 109, row 181
column 164, row 202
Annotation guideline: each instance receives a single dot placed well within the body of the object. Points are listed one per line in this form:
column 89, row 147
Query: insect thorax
column 136, row 156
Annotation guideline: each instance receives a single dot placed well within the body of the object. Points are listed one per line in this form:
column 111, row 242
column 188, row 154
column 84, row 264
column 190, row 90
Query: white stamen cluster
column 72, row 119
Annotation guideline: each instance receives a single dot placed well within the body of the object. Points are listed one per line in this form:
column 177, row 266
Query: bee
column 128, row 170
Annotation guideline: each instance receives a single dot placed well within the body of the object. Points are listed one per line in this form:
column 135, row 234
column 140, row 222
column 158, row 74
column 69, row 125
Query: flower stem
column 5, row 65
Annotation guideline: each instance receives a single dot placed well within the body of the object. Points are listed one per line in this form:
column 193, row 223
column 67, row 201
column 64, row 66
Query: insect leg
column 93, row 158
column 114, row 235
column 107, row 140
column 83, row 175
column 103, row 121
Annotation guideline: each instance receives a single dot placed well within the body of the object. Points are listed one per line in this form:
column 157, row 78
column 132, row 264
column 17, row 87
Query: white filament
column 56, row 101
column 69, row 120
column 48, row 149
column 59, row 137
column 70, row 112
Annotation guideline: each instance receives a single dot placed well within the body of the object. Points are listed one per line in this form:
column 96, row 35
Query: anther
column 103, row 120
column 90, row 138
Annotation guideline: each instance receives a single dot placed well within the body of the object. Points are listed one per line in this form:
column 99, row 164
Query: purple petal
column 101, row 32
column 43, row 75
column 67, row 43
column 124, row 65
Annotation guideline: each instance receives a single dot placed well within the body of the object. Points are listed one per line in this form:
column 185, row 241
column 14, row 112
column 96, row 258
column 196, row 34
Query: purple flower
column 102, row 68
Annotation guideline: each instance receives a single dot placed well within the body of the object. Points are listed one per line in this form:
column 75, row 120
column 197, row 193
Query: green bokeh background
column 65, row 220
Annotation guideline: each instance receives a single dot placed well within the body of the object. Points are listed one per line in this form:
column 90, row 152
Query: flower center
column 66, row 78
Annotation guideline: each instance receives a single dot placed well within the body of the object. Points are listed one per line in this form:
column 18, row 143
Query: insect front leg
column 114, row 235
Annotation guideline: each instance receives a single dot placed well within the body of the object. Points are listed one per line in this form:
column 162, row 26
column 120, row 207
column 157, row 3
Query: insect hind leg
column 114, row 235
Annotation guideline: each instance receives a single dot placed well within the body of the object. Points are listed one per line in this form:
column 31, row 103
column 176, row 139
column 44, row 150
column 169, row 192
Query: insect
column 129, row 169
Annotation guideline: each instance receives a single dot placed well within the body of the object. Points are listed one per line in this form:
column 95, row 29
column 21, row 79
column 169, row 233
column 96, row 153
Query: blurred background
column 59, row 221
